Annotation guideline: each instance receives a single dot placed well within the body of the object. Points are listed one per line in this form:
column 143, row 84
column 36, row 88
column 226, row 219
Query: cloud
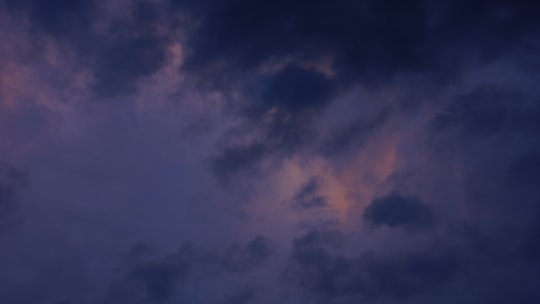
column 243, row 297
column 296, row 89
column 368, row 39
column 525, row 171
column 482, row 112
column 59, row 17
column 352, row 134
column 284, row 28
column 133, row 49
column 12, row 182
column 159, row 279
column 128, row 121
column 368, row 276
column 237, row 159
column 395, row 210
column 166, row 277
column 256, row 252
column 309, row 196
column 118, row 49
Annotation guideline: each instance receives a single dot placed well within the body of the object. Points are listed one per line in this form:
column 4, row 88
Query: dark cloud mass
column 368, row 276
column 237, row 159
column 372, row 39
column 166, row 278
column 308, row 195
column 295, row 89
column 396, row 210
column 12, row 181
column 525, row 171
column 253, row 152
column 59, row 17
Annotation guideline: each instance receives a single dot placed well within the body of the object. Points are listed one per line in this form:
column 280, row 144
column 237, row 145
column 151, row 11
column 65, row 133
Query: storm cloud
column 235, row 151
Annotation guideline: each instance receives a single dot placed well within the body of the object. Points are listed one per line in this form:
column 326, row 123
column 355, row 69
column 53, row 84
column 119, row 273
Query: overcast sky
column 263, row 152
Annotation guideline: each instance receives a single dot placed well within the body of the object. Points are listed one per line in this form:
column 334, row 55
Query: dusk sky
column 269, row 152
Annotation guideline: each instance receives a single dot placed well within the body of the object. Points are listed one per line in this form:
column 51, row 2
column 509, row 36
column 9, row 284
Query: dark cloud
column 286, row 134
column 259, row 249
column 448, row 89
column 12, row 181
column 7, row 197
column 503, row 116
column 252, row 255
column 483, row 112
column 133, row 49
column 321, row 237
column 395, row 210
column 296, row 89
column 368, row 39
column 237, row 159
column 250, row 33
column 374, row 39
column 243, row 297
column 153, row 279
column 159, row 279
column 368, row 276
column 531, row 243
column 524, row 172
column 284, row 120
column 491, row 25
column 163, row 278
column 490, row 133
column 126, row 61
column 352, row 134
column 369, row 42
column 309, row 196
column 59, row 17
column 126, row 50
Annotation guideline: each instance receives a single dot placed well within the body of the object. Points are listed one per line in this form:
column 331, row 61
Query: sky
column 262, row 152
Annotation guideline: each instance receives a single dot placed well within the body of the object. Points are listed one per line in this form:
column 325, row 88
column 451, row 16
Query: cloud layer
column 232, row 151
